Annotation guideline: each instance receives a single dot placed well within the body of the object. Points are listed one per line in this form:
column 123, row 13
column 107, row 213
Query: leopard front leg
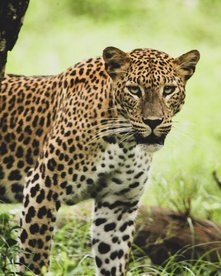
column 40, row 206
column 112, row 233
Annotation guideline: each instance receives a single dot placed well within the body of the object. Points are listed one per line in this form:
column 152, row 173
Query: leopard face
column 149, row 89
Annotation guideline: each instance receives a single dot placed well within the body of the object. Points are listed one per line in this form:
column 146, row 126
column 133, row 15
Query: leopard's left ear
column 186, row 64
column 116, row 62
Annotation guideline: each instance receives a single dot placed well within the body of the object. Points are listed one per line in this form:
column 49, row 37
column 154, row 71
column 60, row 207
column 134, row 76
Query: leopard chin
column 150, row 148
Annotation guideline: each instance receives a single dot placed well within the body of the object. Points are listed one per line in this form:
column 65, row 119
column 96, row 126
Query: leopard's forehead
column 150, row 54
column 149, row 65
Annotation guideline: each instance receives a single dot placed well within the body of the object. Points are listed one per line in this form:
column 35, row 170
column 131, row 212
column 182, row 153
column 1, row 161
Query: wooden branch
column 11, row 19
column 217, row 179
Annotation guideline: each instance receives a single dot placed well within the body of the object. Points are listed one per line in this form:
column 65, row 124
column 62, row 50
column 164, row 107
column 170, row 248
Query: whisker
column 110, row 132
column 185, row 123
column 109, row 126
column 179, row 135
column 182, row 130
column 115, row 130
column 128, row 135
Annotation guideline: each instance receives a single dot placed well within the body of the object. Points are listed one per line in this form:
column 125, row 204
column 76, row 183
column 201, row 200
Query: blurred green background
column 57, row 34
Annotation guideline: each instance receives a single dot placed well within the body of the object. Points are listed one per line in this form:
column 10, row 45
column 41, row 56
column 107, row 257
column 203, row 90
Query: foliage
column 71, row 251
column 8, row 244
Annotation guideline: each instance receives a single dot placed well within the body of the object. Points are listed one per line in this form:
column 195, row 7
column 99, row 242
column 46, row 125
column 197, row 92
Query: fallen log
column 162, row 233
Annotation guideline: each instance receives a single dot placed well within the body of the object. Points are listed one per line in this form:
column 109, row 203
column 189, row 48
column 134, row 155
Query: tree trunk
column 11, row 19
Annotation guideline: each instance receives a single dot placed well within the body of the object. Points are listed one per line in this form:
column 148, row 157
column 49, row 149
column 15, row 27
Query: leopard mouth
column 150, row 140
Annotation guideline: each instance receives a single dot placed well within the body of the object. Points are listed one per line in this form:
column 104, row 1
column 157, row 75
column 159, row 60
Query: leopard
column 87, row 133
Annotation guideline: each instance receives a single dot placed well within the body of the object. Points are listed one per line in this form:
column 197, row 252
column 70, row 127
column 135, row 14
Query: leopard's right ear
column 116, row 62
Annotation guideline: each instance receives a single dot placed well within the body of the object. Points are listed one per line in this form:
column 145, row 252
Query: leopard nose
column 153, row 123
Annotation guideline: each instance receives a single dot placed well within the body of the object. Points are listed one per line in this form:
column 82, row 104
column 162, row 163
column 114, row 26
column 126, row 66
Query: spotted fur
column 89, row 132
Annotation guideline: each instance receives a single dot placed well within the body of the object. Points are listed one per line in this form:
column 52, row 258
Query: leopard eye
column 168, row 89
column 135, row 90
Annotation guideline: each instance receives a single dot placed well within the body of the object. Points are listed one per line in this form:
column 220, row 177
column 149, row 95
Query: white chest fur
column 126, row 170
column 120, row 171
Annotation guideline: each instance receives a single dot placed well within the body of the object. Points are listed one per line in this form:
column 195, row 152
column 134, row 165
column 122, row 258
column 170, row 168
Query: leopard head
column 149, row 89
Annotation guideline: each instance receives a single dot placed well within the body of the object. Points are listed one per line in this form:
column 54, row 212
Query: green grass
column 71, row 254
column 56, row 34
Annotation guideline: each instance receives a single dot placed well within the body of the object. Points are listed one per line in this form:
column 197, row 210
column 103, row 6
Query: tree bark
column 11, row 19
